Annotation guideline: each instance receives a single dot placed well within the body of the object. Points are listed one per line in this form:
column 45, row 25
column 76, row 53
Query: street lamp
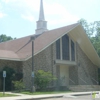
column 32, row 74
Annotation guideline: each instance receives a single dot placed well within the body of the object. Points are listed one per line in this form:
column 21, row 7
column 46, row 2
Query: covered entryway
column 64, row 71
column 64, row 75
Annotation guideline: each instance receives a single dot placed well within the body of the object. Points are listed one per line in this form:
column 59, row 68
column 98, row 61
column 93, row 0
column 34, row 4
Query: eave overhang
column 77, row 33
column 79, row 36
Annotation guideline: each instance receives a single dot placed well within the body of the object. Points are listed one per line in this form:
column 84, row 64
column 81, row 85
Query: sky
column 18, row 17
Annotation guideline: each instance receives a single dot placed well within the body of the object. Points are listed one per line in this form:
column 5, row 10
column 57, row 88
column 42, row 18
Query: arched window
column 65, row 49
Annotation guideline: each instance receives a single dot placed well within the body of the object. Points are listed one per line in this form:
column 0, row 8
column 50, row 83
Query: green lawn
column 6, row 95
column 39, row 93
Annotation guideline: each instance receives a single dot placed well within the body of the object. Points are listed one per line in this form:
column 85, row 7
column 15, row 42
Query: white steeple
column 41, row 15
column 41, row 23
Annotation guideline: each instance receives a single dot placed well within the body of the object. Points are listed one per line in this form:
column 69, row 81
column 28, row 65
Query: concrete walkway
column 44, row 96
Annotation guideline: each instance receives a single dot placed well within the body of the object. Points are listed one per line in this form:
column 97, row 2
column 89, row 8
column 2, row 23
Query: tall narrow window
column 72, row 51
column 65, row 47
column 58, row 49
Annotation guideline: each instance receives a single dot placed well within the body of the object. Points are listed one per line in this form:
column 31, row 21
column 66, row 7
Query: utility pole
column 32, row 74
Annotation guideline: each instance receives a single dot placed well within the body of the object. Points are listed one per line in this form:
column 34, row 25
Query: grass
column 40, row 93
column 6, row 95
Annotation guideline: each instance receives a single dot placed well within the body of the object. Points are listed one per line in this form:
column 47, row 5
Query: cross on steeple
column 41, row 23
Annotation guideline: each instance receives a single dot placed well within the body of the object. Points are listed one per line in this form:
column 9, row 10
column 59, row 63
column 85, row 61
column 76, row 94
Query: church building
column 66, row 52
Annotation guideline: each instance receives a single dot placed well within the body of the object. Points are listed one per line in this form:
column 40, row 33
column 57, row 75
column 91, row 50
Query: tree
column 9, row 74
column 4, row 38
column 93, row 32
column 85, row 25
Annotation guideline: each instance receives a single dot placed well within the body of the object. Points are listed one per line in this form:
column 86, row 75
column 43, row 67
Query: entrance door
column 64, row 75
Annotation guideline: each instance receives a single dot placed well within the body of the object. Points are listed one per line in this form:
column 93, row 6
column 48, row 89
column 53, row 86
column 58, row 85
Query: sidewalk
column 35, row 97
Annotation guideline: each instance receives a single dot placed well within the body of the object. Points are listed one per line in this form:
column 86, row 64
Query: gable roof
column 21, row 49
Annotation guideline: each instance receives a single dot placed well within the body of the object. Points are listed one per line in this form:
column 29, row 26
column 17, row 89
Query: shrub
column 11, row 75
column 8, row 79
column 42, row 79
column 18, row 85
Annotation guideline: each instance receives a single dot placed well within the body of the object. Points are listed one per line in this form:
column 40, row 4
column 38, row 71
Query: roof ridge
column 62, row 27
column 36, row 34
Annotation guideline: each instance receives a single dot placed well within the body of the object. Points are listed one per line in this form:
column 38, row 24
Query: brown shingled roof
column 21, row 49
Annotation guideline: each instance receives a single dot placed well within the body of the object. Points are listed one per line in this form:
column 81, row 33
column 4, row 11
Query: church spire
column 41, row 23
column 41, row 15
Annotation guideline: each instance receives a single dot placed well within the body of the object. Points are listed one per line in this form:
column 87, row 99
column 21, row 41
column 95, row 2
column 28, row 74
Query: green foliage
column 43, row 92
column 85, row 25
column 17, row 76
column 19, row 86
column 11, row 75
column 93, row 32
column 4, row 38
column 8, row 79
column 7, row 95
column 42, row 79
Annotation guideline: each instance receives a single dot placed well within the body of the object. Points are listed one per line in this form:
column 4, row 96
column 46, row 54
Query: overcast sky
column 18, row 17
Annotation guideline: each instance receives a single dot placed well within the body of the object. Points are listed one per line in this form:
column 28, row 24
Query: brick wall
column 16, row 65
column 43, row 60
column 87, row 71
column 73, row 75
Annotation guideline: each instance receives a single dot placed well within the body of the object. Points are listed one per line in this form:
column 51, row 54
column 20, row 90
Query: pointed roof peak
column 41, row 15
column 41, row 23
